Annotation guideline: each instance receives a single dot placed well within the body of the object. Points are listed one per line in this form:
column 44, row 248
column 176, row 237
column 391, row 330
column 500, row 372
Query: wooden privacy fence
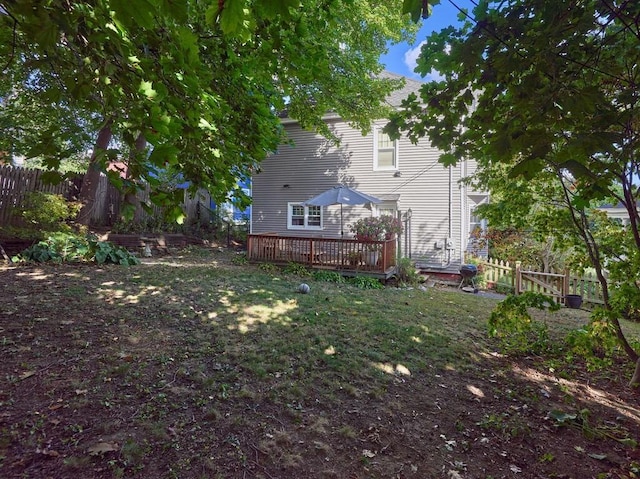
column 16, row 182
column 554, row 284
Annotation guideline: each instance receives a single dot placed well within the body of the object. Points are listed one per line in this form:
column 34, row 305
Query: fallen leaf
column 515, row 468
column 47, row 452
column 368, row 453
column 599, row 457
column 26, row 374
column 125, row 356
column 102, row 447
column 80, row 392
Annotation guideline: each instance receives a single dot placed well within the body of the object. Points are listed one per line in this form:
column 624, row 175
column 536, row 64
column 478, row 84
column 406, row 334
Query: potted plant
column 373, row 229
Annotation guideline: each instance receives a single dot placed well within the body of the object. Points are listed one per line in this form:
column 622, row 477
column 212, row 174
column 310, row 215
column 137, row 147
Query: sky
column 401, row 58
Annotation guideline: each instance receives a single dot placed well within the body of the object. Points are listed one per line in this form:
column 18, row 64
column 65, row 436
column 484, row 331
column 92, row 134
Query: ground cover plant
column 199, row 365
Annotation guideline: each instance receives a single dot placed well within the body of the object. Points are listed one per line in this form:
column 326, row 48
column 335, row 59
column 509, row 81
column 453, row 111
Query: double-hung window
column 385, row 154
column 302, row 217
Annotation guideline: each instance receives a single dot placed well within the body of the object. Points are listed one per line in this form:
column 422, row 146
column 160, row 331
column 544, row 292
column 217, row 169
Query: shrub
column 297, row 269
column 407, row 273
column 66, row 247
column 596, row 343
column 240, row 259
column 328, row 276
column 366, row 282
column 511, row 323
column 269, row 268
column 376, row 228
column 42, row 213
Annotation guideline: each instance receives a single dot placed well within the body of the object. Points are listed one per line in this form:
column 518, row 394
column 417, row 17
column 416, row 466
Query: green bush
column 366, row 282
column 66, row 247
column 407, row 273
column 240, row 259
column 297, row 269
column 47, row 212
column 511, row 323
column 269, row 268
column 596, row 343
column 328, row 276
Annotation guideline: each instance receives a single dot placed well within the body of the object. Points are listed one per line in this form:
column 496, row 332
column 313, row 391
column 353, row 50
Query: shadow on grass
column 185, row 369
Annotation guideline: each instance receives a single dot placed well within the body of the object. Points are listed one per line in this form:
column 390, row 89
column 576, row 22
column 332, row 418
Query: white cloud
column 411, row 60
column 434, row 75
column 411, row 56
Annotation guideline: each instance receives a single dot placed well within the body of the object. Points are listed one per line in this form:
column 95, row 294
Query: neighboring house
column 407, row 177
column 618, row 212
column 232, row 212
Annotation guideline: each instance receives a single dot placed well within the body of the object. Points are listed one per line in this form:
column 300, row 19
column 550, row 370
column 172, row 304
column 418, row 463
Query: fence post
column 565, row 284
column 518, row 279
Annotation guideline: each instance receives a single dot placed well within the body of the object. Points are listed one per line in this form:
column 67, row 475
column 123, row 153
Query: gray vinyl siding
column 312, row 164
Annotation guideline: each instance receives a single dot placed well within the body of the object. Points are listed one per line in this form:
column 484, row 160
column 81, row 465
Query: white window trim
column 306, row 218
column 382, row 208
column 377, row 130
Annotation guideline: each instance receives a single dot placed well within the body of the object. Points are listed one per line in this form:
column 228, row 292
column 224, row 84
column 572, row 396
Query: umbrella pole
column 341, row 238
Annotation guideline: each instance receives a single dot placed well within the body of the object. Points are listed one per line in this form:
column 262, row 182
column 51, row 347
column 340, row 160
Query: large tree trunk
column 131, row 197
column 91, row 178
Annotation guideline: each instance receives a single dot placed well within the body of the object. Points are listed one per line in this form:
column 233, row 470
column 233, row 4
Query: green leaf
column 51, row 177
column 232, row 17
column 162, row 154
column 577, row 169
column 526, row 168
column 146, row 88
column 140, row 11
column 270, row 9
column 562, row 417
column 418, row 8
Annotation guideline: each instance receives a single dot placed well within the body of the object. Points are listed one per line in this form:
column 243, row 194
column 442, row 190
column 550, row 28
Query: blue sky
column 401, row 58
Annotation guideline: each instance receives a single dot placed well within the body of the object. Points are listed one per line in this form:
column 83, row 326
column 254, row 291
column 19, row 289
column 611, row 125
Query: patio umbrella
column 342, row 195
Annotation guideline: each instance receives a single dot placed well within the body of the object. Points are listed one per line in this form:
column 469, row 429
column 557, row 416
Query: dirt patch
column 111, row 372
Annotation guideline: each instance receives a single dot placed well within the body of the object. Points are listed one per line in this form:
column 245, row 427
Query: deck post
column 518, row 278
column 249, row 247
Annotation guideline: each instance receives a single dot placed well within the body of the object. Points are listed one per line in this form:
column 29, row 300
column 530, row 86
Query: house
column 437, row 210
column 618, row 212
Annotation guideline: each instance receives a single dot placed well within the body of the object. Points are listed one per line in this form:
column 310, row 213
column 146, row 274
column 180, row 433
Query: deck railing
column 327, row 253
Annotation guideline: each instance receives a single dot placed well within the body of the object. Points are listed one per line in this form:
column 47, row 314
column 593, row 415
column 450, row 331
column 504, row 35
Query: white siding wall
column 313, row 165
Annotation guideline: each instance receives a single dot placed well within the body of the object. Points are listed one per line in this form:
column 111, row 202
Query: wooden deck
column 346, row 256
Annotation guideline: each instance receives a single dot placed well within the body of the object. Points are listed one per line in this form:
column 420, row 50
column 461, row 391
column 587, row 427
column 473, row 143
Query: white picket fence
column 555, row 284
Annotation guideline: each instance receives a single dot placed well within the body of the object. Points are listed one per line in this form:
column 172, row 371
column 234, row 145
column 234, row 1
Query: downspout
column 450, row 233
column 464, row 213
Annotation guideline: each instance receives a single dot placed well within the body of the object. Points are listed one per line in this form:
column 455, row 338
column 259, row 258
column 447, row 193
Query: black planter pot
column 573, row 301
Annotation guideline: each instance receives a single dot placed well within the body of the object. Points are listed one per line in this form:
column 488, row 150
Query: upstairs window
column 385, row 152
column 301, row 217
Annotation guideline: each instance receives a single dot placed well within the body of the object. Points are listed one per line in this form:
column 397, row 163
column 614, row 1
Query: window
column 388, row 208
column 385, row 152
column 302, row 217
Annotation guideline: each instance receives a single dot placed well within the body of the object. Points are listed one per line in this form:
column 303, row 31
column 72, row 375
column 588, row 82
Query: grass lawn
column 195, row 366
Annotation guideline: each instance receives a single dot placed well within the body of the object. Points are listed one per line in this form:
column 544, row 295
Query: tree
column 202, row 82
column 542, row 88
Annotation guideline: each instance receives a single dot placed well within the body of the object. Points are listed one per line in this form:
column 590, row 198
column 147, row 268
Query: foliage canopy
column 200, row 82
column 543, row 95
